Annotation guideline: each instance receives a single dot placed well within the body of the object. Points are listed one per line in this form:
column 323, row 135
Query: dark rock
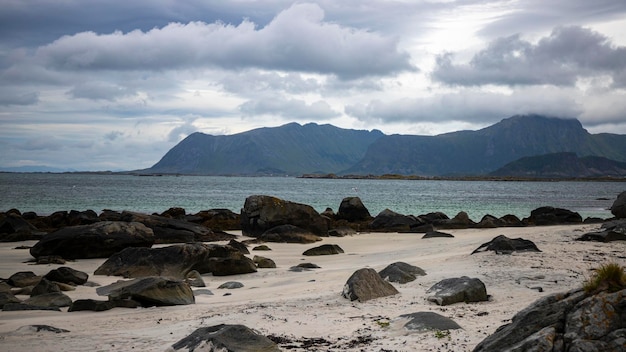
column 171, row 230
column 489, row 222
column 110, row 215
column 263, row 263
column 239, row 246
column 289, row 234
column 91, row 305
column 150, row 291
column 261, row 213
column 325, row 249
column 5, row 287
column 308, row 266
column 99, row 240
column 52, row 299
column 569, row 321
column 174, row 213
column 12, row 307
column 544, row 216
column 220, row 219
column 401, row 272
column 14, row 228
column 603, row 236
column 174, row 261
column 225, row 338
column 6, row 298
column 431, row 218
column 365, row 284
column 342, row 231
column 67, row 275
column 231, row 266
column 424, row 228
column 329, row 213
column 454, row 290
column 511, row 221
column 203, row 292
column 87, row 217
column 230, row 285
column 459, row 221
column 619, row 206
column 353, row 210
column 504, row 245
column 436, row 234
column 40, row 328
column 23, row 279
column 424, row 321
column 391, row 221
column 51, row 259
column 262, row 248
column 194, row 279
column 44, row 286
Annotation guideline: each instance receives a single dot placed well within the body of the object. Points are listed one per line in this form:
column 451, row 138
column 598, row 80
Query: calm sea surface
column 47, row 193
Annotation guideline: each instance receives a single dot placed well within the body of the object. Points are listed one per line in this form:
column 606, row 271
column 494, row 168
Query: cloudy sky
column 113, row 85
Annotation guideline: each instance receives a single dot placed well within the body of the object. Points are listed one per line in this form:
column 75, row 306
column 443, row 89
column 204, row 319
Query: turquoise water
column 46, row 193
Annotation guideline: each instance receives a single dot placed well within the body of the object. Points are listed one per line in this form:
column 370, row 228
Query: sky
column 93, row 85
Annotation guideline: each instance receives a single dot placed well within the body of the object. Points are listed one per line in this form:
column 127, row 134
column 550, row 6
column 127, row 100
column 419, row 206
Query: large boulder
column 366, row 284
column 352, row 210
column 173, row 261
column 619, row 206
column 455, row 290
column 569, row 321
column 99, row 240
column 289, row 234
column 552, row 216
column 150, row 291
column 225, row 338
column 261, row 213
column 218, row 219
column 173, row 230
column 14, row 228
column 504, row 245
column 388, row 220
column 401, row 272
column 459, row 221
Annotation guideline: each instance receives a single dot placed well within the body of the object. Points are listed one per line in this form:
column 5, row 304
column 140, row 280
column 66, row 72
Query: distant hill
column 480, row 152
column 295, row 150
column 289, row 149
column 563, row 165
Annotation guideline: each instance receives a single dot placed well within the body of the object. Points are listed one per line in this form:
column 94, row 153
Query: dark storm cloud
column 10, row 98
column 297, row 39
column 560, row 59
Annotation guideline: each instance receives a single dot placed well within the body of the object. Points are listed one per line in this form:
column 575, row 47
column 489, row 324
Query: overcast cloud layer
column 113, row 85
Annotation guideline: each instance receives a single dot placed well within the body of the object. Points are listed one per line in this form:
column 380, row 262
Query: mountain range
column 294, row 149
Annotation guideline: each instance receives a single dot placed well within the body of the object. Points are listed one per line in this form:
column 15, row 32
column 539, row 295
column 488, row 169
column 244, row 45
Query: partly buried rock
column 424, row 321
column 263, row 263
column 454, row 290
column 504, row 245
column 239, row 246
column 437, row 234
column 44, row 286
column 615, row 231
column 225, row 338
column 401, row 272
column 569, row 321
column 553, row 216
column 23, row 279
column 619, row 206
column 53, row 299
column 176, row 261
column 342, row 231
column 289, row 234
column 99, row 240
column 6, row 298
column 150, row 291
column 325, row 249
column 388, row 220
column 230, row 285
column 366, row 284
column 261, row 213
column 352, row 210
column 91, row 305
column 67, row 275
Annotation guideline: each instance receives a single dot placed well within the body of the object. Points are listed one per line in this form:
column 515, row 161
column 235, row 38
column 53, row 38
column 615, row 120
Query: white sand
column 307, row 305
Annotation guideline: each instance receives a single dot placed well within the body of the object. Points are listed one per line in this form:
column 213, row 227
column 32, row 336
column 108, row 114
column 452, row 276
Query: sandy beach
column 307, row 309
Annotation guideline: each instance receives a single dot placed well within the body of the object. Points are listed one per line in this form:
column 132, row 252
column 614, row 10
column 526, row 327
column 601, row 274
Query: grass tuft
column 608, row 277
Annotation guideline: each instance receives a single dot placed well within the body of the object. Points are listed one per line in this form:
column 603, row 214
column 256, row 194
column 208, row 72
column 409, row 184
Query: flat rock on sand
column 225, row 337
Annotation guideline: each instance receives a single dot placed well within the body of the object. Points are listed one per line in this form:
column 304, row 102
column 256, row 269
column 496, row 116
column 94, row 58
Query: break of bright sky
column 113, row 85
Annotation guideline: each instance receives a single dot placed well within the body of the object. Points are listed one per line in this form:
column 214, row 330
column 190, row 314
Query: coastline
column 307, row 307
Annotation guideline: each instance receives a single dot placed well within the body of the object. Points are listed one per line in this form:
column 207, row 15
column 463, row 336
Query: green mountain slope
column 561, row 165
column 289, row 149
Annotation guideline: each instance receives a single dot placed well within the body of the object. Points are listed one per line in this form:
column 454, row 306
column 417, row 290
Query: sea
column 45, row 193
